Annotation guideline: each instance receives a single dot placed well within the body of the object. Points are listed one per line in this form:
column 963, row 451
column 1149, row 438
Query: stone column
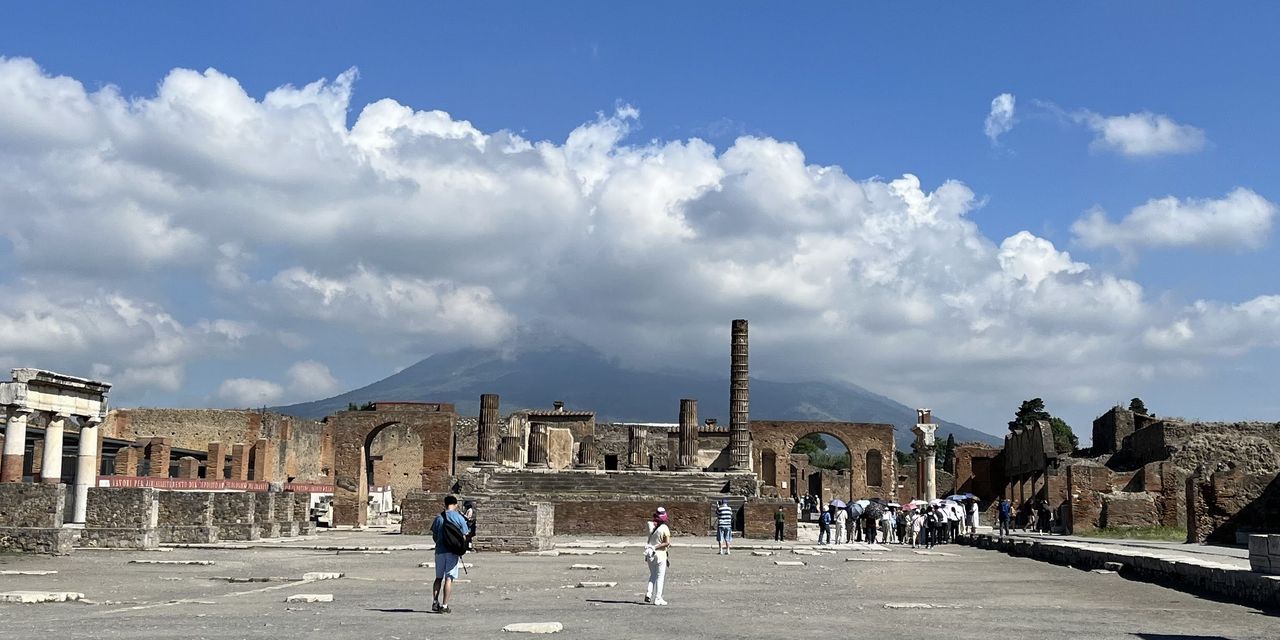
column 15, row 446
column 86, row 467
column 216, row 463
column 51, row 465
column 688, row 458
column 538, row 434
column 926, row 447
column 509, row 451
column 637, row 449
column 487, row 429
column 586, row 453
column 739, row 398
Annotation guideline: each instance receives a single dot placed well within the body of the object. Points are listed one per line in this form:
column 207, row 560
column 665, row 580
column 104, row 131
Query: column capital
column 89, row 421
column 21, row 412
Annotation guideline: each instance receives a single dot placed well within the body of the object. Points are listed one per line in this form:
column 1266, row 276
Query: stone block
column 32, row 506
column 1260, row 564
column 534, row 627
column 36, row 597
column 233, row 531
column 1273, row 546
column 47, row 541
column 1259, row 544
column 171, row 534
column 309, row 598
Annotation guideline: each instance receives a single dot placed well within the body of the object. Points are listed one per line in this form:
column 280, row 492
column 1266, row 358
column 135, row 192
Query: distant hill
column 542, row 372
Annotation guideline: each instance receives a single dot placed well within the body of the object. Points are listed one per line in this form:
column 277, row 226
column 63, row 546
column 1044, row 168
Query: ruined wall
column 121, row 518
column 628, row 517
column 31, row 517
column 1228, row 503
column 780, row 436
column 397, row 460
column 186, row 517
column 1253, row 447
column 758, row 514
column 612, row 439
column 302, row 449
column 1111, row 428
column 502, row 525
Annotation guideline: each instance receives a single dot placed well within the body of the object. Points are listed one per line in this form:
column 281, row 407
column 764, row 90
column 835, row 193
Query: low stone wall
column 627, row 517
column 285, row 523
column 1123, row 510
column 502, row 525
column 264, row 515
column 302, row 514
column 186, row 517
column 758, row 518
column 233, row 515
column 121, row 518
column 1233, row 582
column 31, row 519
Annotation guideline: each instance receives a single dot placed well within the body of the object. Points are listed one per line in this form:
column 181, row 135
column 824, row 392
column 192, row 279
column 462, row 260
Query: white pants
column 657, row 576
column 839, row 531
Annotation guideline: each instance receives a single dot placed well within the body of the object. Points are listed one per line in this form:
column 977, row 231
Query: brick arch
column 353, row 431
column 857, row 437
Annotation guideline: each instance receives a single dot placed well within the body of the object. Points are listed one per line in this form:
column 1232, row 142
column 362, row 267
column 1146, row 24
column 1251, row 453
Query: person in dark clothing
column 779, row 524
column 1004, row 513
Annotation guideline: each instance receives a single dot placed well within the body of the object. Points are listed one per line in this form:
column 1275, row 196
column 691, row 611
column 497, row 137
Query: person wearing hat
column 655, row 555
column 724, row 526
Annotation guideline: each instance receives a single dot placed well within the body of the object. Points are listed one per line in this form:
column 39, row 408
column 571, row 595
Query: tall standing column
column 926, row 448
column 538, row 433
column 51, row 463
column 688, row 460
column 739, row 397
column 15, row 446
column 637, row 447
column 86, row 467
column 487, row 431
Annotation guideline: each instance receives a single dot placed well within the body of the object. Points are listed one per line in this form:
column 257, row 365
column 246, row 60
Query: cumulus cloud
column 1240, row 220
column 1000, row 119
column 249, row 392
column 1142, row 134
column 203, row 222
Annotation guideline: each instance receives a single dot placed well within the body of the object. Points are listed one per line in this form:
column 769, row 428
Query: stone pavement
column 953, row 592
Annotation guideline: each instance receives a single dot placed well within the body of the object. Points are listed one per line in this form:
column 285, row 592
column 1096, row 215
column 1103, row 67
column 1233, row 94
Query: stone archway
column 432, row 424
column 858, row 437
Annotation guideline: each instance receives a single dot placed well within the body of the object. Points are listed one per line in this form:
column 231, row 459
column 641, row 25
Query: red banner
column 184, row 484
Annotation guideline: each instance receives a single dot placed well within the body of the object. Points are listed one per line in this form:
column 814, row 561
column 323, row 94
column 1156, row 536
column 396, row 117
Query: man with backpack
column 450, row 531
column 1005, row 513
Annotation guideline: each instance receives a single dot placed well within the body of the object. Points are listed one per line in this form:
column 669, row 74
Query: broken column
column 688, row 458
column 188, row 468
column 51, row 462
column 15, row 446
column 586, row 453
column 86, row 467
column 487, row 431
column 509, row 451
column 158, row 455
column 539, row 433
column 240, row 461
column 926, row 447
column 262, row 462
column 739, row 397
column 216, row 462
column 126, row 464
column 637, row 447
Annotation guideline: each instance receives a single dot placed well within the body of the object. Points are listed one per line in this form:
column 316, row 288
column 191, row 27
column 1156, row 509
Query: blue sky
column 877, row 91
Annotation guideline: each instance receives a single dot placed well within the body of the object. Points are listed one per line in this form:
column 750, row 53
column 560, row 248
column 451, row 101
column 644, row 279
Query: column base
column 485, row 464
column 537, row 465
column 11, row 468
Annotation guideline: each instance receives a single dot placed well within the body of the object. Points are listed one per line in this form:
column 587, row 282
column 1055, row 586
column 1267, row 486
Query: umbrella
column 910, row 506
column 838, row 503
column 855, row 510
column 961, row 497
column 893, row 505
column 919, row 503
column 863, row 503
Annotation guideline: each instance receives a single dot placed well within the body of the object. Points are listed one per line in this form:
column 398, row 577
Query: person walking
column 779, row 524
column 655, row 554
column 449, row 530
column 824, row 527
column 724, row 526
column 1004, row 513
column 841, row 516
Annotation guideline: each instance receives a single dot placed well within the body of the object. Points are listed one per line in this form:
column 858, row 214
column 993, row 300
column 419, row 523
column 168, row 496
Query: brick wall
column 758, row 515
column 1232, row 502
column 627, row 517
column 780, row 436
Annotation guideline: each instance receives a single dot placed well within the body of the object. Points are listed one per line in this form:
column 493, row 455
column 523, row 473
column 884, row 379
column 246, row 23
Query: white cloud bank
column 1241, row 220
column 1000, row 119
column 1142, row 134
column 203, row 222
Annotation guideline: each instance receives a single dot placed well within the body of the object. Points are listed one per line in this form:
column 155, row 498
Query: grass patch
column 1162, row 534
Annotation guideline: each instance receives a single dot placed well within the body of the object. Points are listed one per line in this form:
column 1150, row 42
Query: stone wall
column 119, row 517
column 977, row 471
column 502, row 525
column 1229, row 504
column 1129, row 509
column 1111, row 428
column 397, row 460
column 31, row 518
column 233, row 515
column 758, row 518
column 186, row 517
column 628, row 517
column 612, row 440
column 780, row 436
column 264, row 515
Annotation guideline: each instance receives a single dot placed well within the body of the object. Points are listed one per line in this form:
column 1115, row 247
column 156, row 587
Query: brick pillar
column 739, row 398
column 263, row 469
column 487, row 431
column 51, row 465
column 538, row 434
column 239, row 461
column 37, row 459
column 586, row 453
column 15, row 446
column 159, row 457
column 637, row 449
column 688, row 457
column 215, row 467
column 127, row 459
column 188, row 468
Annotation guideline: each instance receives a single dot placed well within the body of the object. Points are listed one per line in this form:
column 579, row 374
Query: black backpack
column 451, row 536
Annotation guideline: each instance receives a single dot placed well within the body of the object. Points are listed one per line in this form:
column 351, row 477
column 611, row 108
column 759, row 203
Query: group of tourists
column 919, row 523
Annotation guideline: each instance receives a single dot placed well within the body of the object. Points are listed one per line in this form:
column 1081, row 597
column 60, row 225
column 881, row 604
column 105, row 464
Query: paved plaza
column 954, row 592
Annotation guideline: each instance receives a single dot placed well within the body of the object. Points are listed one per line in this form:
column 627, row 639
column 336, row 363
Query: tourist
column 1004, row 514
column 655, row 554
column 869, row 523
column 779, row 524
column 841, row 516
column 469, row 514
column 824, row 527
column 971, row 516
column 724, row 526
column 917, row 524
column 850, row 524
column 937, row 524
column 449, row 530
column 886, row 526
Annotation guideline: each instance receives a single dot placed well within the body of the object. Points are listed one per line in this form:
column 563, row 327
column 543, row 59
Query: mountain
column 541, row 372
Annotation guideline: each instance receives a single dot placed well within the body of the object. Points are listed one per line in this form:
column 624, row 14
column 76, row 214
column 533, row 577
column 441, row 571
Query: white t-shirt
column 660, row 534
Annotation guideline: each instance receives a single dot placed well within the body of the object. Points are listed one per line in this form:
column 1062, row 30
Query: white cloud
column 310, row 380
column 1142, row 134
column 1000, row 119
column 249, row 392
column 1240, row 220
column 165, row 231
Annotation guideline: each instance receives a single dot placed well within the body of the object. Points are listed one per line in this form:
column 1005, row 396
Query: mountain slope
column 585, row 379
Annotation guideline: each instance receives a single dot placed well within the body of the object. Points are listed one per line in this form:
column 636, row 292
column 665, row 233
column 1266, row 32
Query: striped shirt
column 725, row 515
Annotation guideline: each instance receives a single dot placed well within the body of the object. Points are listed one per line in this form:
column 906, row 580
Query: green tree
column 810, row 444
column 947, row 453
column 1030, row 411
column 1064, row 439
column 1136, row 405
